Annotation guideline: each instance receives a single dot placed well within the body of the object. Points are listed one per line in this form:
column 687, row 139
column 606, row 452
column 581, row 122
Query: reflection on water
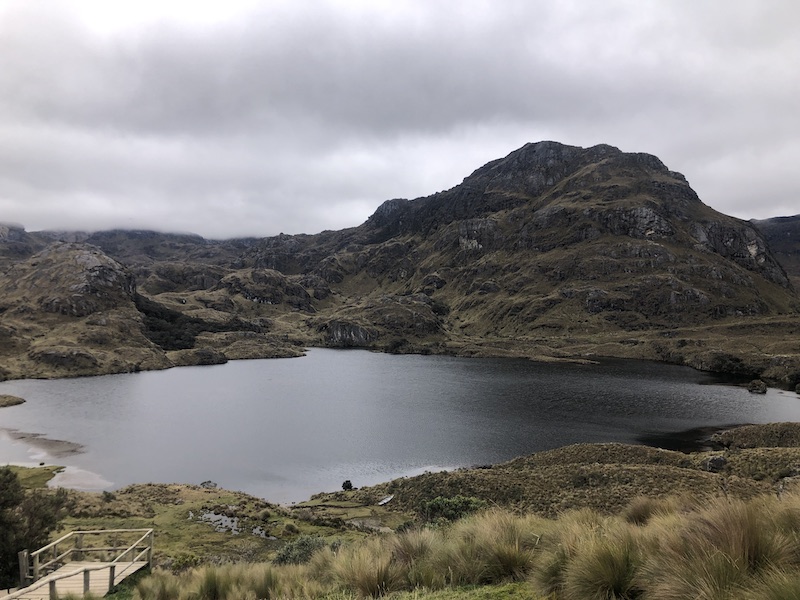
column 284, row 429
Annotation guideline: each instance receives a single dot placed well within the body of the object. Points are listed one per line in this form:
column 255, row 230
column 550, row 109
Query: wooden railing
column 71, row 548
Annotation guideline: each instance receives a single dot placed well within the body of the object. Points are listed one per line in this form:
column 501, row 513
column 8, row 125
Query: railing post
column 86, row 576
column 150, row 539
column 78, row 547
column 36, row 567
column 23, row 567
column 111, row 572
column 53, row 593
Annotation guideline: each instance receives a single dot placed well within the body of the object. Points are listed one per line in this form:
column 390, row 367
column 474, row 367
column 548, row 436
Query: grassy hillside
column 584, row 521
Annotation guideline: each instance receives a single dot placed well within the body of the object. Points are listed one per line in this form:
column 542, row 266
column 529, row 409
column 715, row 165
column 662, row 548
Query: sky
column 250, row 118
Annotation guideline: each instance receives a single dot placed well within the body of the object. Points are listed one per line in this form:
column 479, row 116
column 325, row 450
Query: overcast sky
column 237, row 118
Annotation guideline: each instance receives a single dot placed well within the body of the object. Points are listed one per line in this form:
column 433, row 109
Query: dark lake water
column 287, row 428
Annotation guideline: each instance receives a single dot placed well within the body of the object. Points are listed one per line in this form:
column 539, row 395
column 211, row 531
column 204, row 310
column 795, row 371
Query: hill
column 554, row 252
column 783, row 236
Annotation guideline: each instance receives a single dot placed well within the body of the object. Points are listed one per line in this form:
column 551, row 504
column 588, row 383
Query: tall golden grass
column 656, row 549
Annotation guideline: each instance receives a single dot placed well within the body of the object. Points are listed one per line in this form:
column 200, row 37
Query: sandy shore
column 52, row 448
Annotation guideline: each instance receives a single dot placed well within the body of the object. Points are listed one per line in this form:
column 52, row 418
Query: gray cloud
column 299, row 117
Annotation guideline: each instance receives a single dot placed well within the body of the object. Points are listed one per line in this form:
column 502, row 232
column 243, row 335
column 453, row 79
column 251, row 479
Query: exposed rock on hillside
column 71, row 279
column 69, row 310
column 265, row 286
column 17, row 244
column 783, row 236
column 554, row 251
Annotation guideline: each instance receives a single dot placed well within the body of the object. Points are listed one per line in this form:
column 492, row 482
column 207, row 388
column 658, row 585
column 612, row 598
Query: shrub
column 26, row 520
column 298, row 551
column 450, row 509
column 291, row 529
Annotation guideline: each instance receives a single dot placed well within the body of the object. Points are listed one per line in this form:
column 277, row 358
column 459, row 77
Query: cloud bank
column 254, row 118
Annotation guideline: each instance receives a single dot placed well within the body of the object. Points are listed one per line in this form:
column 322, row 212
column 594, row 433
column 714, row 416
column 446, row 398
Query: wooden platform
column 70, row 578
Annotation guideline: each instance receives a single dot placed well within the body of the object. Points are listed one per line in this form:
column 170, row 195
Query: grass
column 182, row 542
column 719, row 550
column 35, row 477
column 586, row 521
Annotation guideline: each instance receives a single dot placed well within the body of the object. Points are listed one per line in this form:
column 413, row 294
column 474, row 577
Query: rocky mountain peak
column 70, row 279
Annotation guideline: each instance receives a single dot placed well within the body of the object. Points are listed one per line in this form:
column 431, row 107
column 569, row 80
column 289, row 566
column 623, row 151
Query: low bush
column 450, row 509
column 299, row 551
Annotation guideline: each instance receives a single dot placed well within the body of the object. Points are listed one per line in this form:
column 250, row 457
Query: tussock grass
column 777, row 585
column 605, row 567
column 664, row 549
column 368, row 569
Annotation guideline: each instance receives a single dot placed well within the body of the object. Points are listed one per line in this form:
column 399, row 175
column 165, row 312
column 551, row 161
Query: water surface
column 284, row 429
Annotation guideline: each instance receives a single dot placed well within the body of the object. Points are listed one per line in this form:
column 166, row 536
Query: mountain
column 553, row 252
column 783, row 236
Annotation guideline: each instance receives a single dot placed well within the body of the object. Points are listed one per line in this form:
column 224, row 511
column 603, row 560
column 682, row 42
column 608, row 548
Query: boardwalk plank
column 98, row 582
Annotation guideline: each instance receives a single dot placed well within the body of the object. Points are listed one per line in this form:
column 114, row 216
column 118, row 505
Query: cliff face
column 553, row 251
column 783, row 236
column 69, row 310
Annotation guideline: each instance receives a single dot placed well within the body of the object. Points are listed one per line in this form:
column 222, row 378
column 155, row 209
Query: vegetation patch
column 772, row 435
column 7, row 400
column 35, row 477
column 174, row 330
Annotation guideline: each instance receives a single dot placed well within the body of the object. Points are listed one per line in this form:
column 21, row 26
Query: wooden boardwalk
column 78, row 578
column 66, row 566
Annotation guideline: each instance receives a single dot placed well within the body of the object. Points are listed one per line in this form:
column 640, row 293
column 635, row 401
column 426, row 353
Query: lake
column 284, row 429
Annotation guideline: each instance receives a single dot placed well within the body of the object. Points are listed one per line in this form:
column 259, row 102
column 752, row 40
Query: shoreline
column 52, row 448
column 696, row 439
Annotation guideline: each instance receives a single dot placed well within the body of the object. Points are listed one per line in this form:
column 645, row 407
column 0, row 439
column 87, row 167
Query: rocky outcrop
column 345, row 334
column 783, row 236
column 17, row 244
column 268, row 287
column 197, row 357
column 70, row 279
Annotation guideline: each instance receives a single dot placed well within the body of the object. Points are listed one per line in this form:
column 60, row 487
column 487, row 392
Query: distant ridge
column 554, row 252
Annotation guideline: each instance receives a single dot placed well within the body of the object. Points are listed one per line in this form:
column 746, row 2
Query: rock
column 65, row 358
column 715, row 464
column 433, row 281
column 266, row 286
column 757, row 386
column 197, row 357
column 344, row 334
column 209, row 485
column 74, row 280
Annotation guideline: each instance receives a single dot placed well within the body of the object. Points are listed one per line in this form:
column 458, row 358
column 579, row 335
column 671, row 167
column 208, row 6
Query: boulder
column 715, row 464
column 757, row 386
